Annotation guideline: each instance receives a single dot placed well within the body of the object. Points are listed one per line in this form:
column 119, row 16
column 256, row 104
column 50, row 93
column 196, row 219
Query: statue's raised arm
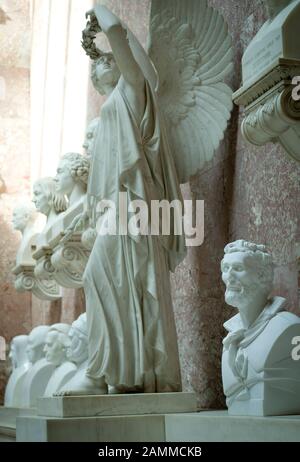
column 132, row 78
column 117, row 36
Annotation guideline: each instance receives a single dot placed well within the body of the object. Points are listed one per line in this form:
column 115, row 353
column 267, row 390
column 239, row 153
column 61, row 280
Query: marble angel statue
column 165, row 114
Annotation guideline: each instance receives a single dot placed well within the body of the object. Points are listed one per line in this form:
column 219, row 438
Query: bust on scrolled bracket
column 259, row 374
column 72, row 177
column 71, row 180
column 48, row 201
column 56, row 346
column 26, row 220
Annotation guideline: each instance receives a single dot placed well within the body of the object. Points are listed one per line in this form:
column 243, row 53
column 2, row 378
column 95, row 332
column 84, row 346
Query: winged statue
column 166, row 111
column 191, row 49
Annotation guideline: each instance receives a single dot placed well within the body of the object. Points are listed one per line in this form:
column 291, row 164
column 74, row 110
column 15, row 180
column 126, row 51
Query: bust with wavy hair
column 47, row 200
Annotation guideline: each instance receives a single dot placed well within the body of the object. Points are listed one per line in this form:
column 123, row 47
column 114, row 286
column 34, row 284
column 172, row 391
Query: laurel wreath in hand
column 88, row 37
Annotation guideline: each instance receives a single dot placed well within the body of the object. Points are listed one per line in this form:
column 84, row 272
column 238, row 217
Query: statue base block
column 117, row 405
column 208, row 426
column 218, row 426
column 8, row 417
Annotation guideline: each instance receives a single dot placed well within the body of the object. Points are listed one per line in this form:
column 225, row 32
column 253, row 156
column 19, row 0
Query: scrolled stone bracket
column 44, row 289
column 70, row 259
column 270, row 112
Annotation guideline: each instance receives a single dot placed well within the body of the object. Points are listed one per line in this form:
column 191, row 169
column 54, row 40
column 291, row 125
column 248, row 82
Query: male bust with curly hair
column 72, row 176
column 259, row 374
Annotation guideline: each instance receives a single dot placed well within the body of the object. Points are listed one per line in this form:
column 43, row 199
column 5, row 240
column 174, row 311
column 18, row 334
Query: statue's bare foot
column 84, row 386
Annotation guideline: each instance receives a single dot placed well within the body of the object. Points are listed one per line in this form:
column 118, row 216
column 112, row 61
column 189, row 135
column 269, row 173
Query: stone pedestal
column 104, row 418
column 8, row 417
column 218, row 426
column 207, row 426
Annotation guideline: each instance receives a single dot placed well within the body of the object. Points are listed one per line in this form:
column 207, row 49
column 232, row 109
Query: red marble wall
column 250, row 193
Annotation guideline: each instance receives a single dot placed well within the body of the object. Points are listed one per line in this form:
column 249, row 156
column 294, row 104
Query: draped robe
column 132, row 334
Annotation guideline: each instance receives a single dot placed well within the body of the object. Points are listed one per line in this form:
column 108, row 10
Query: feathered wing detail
column 190, row 46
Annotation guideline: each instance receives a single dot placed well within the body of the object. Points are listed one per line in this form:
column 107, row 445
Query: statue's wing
column 190, row 46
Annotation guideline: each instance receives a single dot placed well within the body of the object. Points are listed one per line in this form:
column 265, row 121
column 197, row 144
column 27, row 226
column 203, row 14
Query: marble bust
column 72, row 176
column 20, row 364
column 26, row 220
column 36, row 343
column 23, row 216
column 77, row 350
column 71, row 180
column 40, row 371
column 259, row 374
column 47, row 200
column 56, row 347
column 90, row 136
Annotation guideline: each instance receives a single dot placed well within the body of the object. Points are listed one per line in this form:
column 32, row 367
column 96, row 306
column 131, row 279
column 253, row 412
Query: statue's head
column 275, row 6
column 105, row 72
column 73, row 168
column 23, row 215
column 90, row 135
column 36, row 343
column 57, row 343
column 17, row 354
column 247, row 272
column 46, row 198
column 78, row 349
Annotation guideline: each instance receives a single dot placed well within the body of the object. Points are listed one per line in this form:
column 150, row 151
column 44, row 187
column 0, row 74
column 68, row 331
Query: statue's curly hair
column 79, row 166
column 62, row 330
column 95, row 80
column 259, row 258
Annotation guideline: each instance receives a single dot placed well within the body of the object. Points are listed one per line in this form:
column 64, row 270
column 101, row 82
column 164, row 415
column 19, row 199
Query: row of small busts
column 57, row 201
column 46, row 360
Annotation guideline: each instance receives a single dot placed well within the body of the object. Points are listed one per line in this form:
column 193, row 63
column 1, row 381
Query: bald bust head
column 23, row 215
column 17, row 354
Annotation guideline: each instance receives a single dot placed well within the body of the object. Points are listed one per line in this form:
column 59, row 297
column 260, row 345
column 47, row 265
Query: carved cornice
column 279, row 74
column 271, row 114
